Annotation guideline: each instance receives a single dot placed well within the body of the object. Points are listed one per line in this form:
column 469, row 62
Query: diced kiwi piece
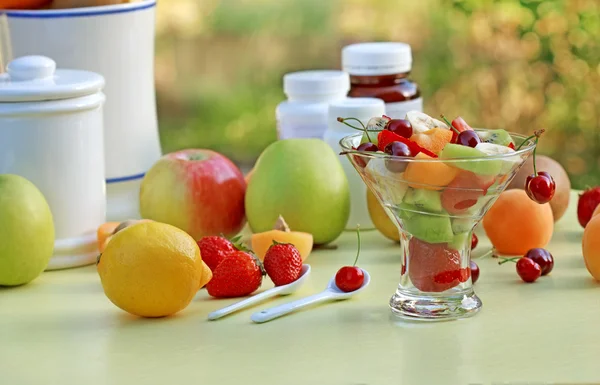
column 501, row 137
column 427, row 200
column 430, row 228
column 462, row 225
column 372, row 135
column 406, row 210
column 459, row 241
column 408, row 197
column 483, row 167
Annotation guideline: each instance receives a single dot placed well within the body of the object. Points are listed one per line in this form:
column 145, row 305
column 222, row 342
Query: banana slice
column 495, row 149
column 422, row 122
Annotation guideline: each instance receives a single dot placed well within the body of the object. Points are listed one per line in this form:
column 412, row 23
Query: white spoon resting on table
column 331, row 293
column 277, row 290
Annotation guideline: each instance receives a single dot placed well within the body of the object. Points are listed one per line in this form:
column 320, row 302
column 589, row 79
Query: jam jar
column 381, row 70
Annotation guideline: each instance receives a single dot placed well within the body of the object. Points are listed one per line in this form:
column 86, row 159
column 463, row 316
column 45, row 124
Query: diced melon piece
column 262, row 241
column 432, row 175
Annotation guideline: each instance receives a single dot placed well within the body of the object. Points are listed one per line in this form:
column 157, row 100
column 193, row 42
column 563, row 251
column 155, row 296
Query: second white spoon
column 277, row 290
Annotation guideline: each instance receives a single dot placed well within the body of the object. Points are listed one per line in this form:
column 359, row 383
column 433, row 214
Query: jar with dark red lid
column 381, row 70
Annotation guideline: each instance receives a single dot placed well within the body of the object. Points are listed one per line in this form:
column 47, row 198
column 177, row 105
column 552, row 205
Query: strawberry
column 239, row 274
column 283, row 263
column 214, row 249
column 434, row 267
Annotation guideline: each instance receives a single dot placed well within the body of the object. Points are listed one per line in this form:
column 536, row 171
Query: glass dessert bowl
column 435, row 202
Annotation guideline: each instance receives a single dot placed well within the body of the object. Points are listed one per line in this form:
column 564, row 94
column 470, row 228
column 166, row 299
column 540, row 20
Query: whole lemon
column 151, row 269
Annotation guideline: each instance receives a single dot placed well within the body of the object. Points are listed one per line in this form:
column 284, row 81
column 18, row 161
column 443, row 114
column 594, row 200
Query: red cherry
column 587, row 204
column 400, row 127
column 474, row 271
column 397, row 149
column 474, row 241
column 468, row 138
column 349, row 278
column 528, row 270
column 543, row 258
column 367, row 147
column 460, row 125
column 541, row 187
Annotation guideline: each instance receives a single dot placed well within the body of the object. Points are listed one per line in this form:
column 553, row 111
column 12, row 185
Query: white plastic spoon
column 277, row 290
column 332, row 292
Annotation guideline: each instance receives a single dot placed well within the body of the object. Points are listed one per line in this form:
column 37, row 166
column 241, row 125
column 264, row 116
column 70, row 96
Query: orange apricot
column 590, row 245
column 515, row 224
column 262, row 241
column 105, row 231
column 429, row 175
column 434, row 140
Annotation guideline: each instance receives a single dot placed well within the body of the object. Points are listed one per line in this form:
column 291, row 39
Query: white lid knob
column 383, row 58
column 31, row 68
column 319, row 82
column 362, row 109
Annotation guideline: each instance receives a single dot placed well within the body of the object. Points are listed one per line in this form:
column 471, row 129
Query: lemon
column 151, row 269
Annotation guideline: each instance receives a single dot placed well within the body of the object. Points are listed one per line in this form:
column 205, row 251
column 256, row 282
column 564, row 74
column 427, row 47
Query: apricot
column 590, row 245
column 262, row 241
column 515, row 224
column 105, row 231
column 429, row 175
column 434, row 140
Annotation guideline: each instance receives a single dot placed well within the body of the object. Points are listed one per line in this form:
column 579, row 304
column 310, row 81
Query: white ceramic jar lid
column 317, row 82
column 359, row 108
column 382, row 58
column 35, row 78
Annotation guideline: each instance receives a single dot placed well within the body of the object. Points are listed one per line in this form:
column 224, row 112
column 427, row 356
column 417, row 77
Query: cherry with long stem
column 344, row 121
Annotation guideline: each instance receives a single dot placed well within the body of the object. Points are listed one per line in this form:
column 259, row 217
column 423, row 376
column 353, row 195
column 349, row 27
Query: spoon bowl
column 331, row 293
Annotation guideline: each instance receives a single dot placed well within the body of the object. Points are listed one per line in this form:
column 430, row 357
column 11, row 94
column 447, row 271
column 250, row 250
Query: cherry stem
column 534, row 167
column 357, row 251
column 514, row 259
column 343, row 120
column 489, row 253
column 536, row 134
column 450, row 124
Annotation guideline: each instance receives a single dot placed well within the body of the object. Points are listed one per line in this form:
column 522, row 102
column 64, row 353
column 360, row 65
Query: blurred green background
column 517, row 65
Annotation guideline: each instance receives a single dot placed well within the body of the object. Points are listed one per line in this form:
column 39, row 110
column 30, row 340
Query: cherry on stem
column 350, row 278
column 344, row 121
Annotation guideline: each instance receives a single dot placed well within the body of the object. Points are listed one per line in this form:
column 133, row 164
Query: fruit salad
column 436, row 179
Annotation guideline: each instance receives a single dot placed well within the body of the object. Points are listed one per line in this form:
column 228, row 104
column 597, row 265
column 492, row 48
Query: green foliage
column 517, row 65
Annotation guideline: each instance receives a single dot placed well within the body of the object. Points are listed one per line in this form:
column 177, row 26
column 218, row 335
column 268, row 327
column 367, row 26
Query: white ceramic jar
column 116, row 41
column 51, row 133
column 304, row 113
column 362, row 109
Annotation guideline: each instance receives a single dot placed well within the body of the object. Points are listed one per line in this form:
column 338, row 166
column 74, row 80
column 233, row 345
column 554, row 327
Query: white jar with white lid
column 51, row 133
column 381, row 70
column 362, row 109
column 304, row 114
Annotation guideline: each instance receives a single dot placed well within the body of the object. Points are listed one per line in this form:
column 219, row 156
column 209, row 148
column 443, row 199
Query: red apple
column 199, row 191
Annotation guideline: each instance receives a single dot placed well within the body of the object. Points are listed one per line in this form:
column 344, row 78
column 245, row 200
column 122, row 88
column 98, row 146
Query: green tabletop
column 61, row 329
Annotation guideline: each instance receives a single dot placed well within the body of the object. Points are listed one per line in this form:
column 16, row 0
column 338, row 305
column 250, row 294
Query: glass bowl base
column 413, row 307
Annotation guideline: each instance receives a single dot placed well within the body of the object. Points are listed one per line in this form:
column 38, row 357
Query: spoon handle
column 278, row 311
column 244, row 303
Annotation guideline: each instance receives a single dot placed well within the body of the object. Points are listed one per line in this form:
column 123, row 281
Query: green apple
column 303, row 181
column 26, row 231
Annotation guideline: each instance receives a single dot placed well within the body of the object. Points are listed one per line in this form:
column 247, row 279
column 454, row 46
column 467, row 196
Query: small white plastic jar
column 51, row 133
column 304, row 113
column 362, row 109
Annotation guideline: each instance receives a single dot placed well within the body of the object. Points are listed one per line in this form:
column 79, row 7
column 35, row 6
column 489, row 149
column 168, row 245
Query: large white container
column 362, row 109
column 51, row 133
column 304, row 113
column 116, row 41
